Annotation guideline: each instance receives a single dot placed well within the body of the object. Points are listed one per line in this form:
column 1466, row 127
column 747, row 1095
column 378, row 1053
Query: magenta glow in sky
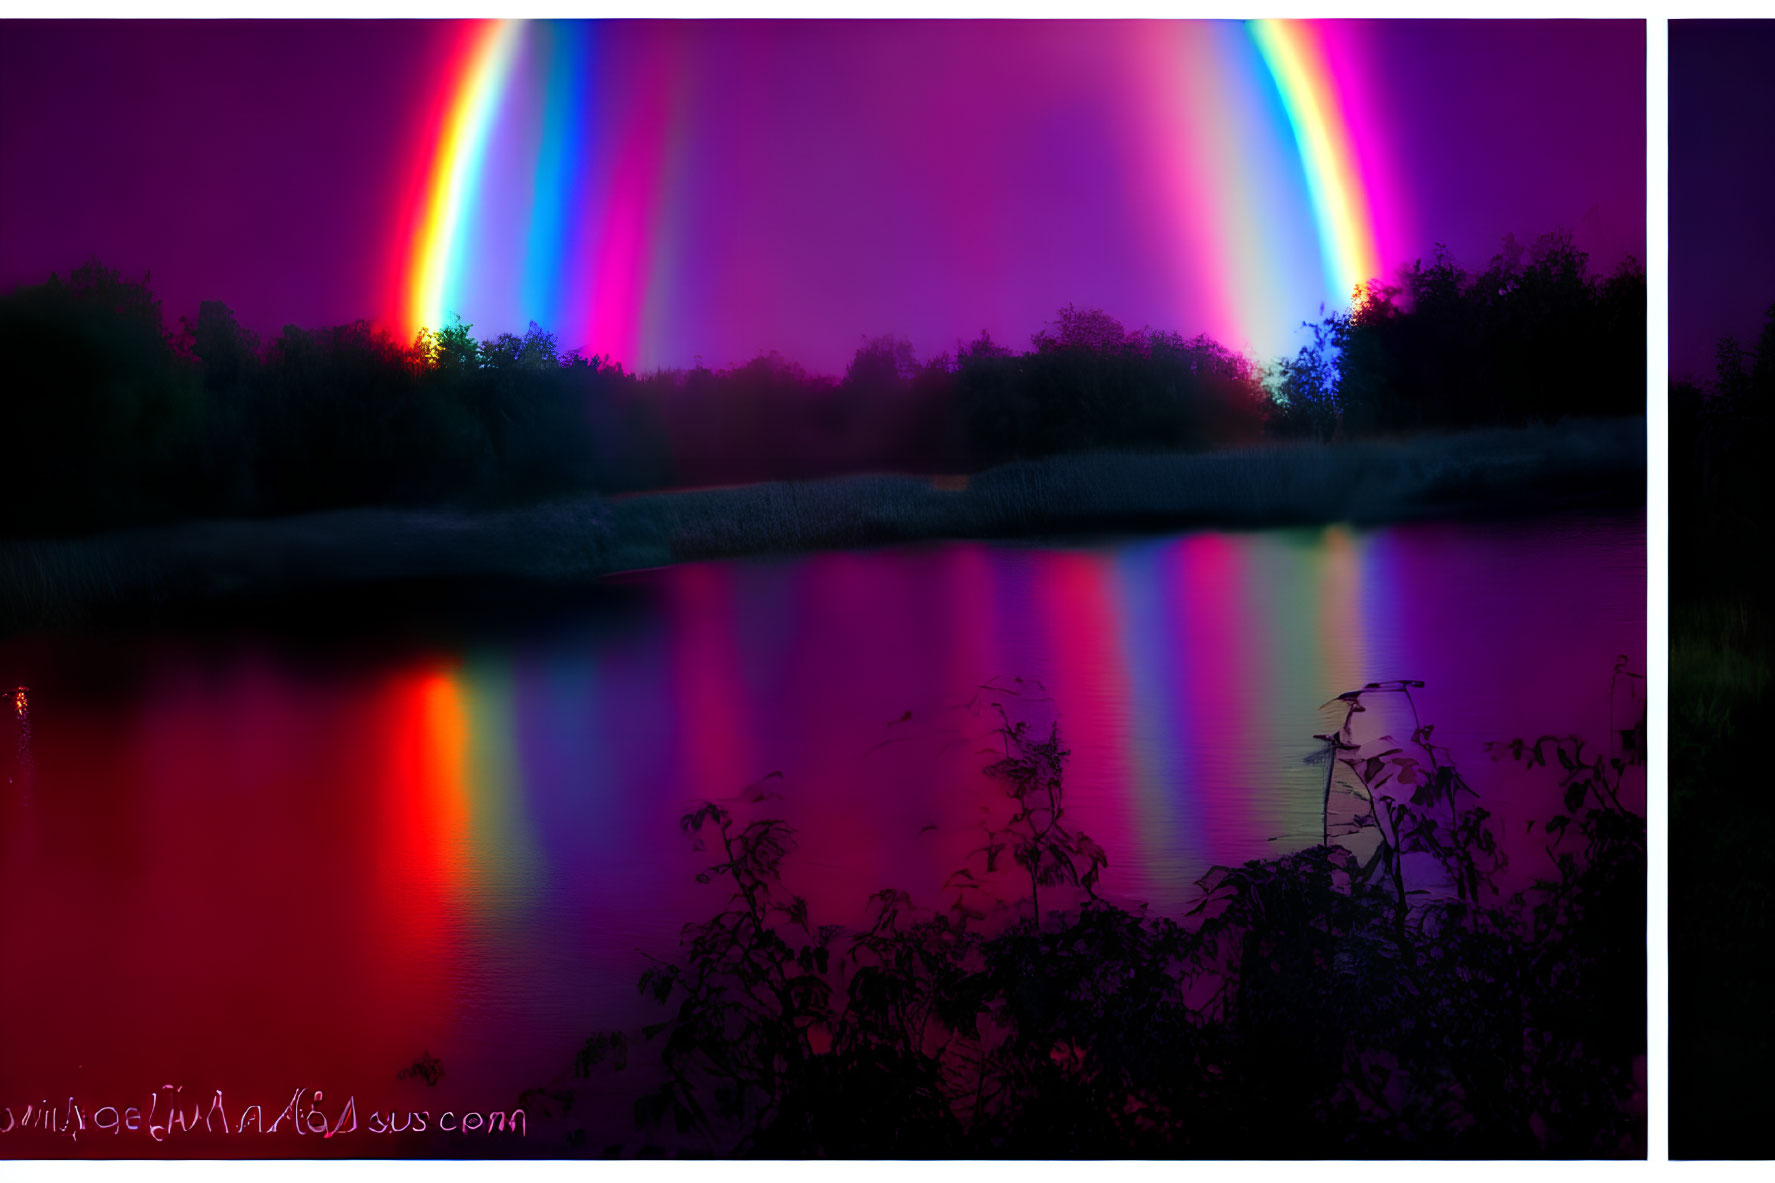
column 668, row 191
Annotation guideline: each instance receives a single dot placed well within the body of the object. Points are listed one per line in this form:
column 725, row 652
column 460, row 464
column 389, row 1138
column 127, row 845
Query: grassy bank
column 1472, row 474
column 1721, row 868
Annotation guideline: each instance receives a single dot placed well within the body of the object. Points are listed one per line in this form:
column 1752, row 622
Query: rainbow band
column 1310, row 97
column 588, row 147
column 455, row 169
column 560, row 161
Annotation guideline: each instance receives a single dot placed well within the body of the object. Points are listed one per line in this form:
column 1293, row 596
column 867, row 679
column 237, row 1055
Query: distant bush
column 1090, row 384
column 102, row 424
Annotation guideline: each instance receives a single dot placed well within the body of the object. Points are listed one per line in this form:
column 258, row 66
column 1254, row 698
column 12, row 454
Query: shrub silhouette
column 1315, row 1005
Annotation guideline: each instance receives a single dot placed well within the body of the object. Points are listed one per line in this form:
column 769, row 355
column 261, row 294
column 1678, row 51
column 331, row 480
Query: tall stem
column 1325, row 811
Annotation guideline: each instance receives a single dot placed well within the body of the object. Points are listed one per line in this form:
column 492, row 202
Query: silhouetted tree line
column 114, row 419
column 1536, row 336
column 1721, row 431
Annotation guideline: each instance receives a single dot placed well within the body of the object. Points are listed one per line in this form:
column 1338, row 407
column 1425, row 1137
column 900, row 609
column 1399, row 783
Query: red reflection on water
column 238, row 862
column 417, row 792
column 1092, row 692
column 712, row 707
column 1215, row 672
column 853, row 724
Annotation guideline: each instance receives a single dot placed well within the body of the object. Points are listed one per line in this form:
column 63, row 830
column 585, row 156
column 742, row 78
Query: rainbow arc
column 1260, row 156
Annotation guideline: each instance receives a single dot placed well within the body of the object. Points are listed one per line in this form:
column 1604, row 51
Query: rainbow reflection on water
column 342, row 858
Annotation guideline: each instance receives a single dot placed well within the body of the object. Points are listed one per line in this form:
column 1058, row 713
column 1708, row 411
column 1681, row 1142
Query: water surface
column 259, row 863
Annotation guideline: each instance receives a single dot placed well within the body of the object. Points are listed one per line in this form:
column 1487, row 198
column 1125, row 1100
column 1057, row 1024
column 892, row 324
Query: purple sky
column 1722, row 187
column 271, row 165
column 252, row 162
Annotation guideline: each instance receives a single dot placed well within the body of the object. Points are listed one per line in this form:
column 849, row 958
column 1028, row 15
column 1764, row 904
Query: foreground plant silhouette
column 1371, row 996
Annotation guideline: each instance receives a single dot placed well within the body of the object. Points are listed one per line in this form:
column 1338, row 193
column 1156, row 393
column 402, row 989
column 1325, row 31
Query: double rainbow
column 1262, row 167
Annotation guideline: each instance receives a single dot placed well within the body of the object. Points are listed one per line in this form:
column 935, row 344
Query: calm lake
column 262, row 863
